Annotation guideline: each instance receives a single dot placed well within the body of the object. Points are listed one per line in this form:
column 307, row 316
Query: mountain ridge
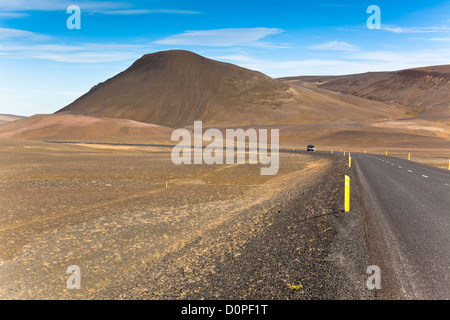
column 425, row 89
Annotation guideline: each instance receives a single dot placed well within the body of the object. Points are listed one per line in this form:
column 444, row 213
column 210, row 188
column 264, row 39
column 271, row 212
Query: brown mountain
column 426, row 90
column 174, row 88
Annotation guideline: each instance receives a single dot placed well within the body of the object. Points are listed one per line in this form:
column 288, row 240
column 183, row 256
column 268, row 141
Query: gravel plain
column 140, row 227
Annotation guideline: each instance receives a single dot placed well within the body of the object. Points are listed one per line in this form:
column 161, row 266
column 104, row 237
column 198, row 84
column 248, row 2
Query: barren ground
column 140, row 227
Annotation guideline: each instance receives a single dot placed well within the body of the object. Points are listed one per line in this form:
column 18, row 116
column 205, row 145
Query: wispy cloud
column 335, row 5
column 396, row 29
column 15, row 8
column 53, row 5
column 12, row 15
column 147, row 11
column 358, row 62
column 405, row 59
column 434, row 39
column 220, row 37
column 9, row 33
column 439, row 39
column 81, row 53
column 335, row 46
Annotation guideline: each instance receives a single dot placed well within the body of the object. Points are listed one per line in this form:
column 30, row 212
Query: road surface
column 407, row 208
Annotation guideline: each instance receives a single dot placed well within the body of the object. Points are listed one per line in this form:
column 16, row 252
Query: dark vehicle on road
column 310, row 147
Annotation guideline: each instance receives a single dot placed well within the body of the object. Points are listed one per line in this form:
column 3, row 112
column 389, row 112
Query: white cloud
column 405, row 59
column 12, row 15
column 220, row 37
column 9, row 33
column 15, row 8
column 396, row 29
column 358, row 62
column 84, row 57
column 439, row 39
column 147, row 11
column 53, row 5
column 80, row 53
column 335, row 46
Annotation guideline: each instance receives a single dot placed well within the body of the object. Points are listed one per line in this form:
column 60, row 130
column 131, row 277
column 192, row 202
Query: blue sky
column 44, row 66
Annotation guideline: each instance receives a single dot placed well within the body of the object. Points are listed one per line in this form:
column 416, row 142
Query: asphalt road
column 407, row 213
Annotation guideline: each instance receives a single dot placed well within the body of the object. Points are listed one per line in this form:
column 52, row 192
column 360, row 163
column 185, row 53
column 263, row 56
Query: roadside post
column 347, row 194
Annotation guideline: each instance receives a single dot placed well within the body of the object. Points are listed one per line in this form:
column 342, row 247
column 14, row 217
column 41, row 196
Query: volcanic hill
column 174, row 88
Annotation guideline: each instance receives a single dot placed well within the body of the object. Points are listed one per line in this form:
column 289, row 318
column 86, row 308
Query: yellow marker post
column 349, row 162
column 347, row 194
column 409, row 156
column 344, row 153
column 386, row 153
column 448, row 164
column 331, row 151
column 364, row 151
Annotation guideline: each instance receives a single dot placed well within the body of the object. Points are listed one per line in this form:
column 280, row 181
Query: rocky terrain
column 140, row 227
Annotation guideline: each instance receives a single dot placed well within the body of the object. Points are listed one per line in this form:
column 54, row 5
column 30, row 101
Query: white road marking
column 425, row 176
column 409, row 170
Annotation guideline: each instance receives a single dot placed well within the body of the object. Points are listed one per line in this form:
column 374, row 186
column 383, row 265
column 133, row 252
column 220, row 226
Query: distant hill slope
column 427, row 89
column 65, row 127
column 9, row 117
column 174, row 88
